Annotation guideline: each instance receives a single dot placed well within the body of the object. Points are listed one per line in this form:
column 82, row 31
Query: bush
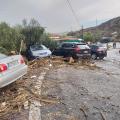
column 31, row 33
column 3, row 50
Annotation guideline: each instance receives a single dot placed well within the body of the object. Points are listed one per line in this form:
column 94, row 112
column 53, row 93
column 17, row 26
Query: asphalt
column 84, row 93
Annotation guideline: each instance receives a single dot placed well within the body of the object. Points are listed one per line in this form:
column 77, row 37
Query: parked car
column 37, row 51
column 98, row 51
column 73, row 49
column 11, row 69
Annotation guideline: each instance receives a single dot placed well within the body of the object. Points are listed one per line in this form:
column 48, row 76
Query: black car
column 73, row 49
column 98, row 51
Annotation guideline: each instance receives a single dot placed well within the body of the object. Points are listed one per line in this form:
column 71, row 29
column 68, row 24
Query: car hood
column 41, row 53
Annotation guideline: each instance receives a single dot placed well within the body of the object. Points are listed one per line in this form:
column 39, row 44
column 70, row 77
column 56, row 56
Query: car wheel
column 101, row 58
column 94, row 56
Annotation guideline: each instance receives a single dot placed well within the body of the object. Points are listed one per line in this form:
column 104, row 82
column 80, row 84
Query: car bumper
column 7, row 79
column 102, row 54
column 84, row 56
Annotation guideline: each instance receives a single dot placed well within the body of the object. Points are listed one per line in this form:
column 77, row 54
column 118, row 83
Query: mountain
column 106, row 29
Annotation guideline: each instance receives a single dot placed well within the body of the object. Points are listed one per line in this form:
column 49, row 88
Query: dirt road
column 83, row 93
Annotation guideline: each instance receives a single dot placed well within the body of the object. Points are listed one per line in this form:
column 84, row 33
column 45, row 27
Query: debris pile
column 18, row 95
column 12, row 99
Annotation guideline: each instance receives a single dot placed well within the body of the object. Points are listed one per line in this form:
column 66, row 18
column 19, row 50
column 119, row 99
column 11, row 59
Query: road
column 84, row 93
column 58, row 91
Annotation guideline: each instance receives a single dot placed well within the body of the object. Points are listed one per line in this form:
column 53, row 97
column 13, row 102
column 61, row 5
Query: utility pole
column 96, row 22
column 82, row 32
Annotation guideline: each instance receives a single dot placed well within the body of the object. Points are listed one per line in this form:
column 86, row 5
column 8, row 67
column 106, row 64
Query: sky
column 56, row 16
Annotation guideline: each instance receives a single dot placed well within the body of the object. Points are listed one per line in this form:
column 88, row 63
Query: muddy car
column 75, row 50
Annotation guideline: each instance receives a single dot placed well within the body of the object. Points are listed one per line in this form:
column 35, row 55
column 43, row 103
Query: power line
column 72, row 10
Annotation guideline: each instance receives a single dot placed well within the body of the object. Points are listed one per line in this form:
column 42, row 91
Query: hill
column 106, row 29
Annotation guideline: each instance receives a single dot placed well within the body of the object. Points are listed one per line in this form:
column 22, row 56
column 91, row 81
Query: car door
column 94, row 48
column 67, row 49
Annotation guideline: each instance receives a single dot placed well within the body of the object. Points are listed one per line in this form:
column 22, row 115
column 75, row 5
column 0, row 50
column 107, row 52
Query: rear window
column 36, row 47
column 100, row 45
column 67, row 45
column 83, row 46
column 2, row 56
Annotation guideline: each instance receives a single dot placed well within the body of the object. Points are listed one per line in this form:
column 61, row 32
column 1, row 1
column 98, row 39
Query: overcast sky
column 56, row 15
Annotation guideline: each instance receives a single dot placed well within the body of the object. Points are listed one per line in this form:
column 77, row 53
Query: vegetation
column 30, row 32
column 92, row 37
column 88, row 37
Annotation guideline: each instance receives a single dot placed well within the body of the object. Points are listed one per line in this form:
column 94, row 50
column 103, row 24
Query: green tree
column 88, row 37
column 48, row 42
column 9, row 38
column 32, row 32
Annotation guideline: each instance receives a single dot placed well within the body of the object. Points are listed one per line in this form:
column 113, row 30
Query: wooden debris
column 85, row 114
column 103, row 116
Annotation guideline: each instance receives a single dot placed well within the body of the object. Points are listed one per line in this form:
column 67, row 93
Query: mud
column 70, row 91
column 83, row 94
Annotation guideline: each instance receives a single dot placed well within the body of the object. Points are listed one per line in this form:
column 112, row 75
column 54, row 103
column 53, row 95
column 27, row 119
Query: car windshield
column 100, row 45
column 37, row 47
column 83, row 46
column 2, row 56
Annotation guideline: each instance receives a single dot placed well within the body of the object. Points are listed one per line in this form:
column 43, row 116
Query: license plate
column 43, row 53
column 85, row 51
column 13, row 63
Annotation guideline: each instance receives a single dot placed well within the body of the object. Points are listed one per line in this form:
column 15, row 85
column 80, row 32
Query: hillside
column 106, row 29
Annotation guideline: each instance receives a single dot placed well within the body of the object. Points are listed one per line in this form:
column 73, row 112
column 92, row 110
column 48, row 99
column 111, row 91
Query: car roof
column 78, row 43
column 98, row 45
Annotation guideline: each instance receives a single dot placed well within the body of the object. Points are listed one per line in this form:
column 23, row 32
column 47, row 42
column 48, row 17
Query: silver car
column 40, row 51
column 11, row 69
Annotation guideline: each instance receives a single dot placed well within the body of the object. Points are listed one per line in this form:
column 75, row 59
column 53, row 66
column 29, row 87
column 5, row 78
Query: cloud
column 55, row 14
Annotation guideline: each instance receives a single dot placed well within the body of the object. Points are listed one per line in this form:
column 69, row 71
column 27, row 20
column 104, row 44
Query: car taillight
column 22, row 60
column 77, row 49
column 99, row 50
column 3, row 67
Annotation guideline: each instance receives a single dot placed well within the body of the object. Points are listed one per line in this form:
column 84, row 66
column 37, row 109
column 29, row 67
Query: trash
column 3, row 104
column 85, row 114
column 50, row 65
column 26, row 105
column 103, row 116
column 19, row 95
column 33, row 77
column 71, row 60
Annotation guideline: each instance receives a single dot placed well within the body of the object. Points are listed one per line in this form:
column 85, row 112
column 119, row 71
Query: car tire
column 101, row 58
column 94, row 56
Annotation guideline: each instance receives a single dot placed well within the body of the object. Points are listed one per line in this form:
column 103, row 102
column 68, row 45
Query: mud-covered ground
column 54, row 90
column 84, row 93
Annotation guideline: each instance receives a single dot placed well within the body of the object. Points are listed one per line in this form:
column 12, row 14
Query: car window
column 67, row 45
column 45, row 48
column 83, row 46
column 2, row 56
column 100, row 45
column 94, row 47
column 36, row 47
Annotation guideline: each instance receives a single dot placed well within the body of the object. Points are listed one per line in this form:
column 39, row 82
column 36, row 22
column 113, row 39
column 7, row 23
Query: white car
column 11, row 69
column 38, row 51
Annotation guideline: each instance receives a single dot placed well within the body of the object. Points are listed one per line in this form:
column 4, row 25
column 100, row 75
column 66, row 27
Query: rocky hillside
column 106, row 29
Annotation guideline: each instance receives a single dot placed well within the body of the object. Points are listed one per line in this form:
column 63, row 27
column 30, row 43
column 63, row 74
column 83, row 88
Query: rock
column 26, row 105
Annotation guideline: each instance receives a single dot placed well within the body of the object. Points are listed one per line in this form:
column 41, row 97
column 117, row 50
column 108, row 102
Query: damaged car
column 11, row 69
column 73, row 49
column 98, row 51
column 37, row 51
